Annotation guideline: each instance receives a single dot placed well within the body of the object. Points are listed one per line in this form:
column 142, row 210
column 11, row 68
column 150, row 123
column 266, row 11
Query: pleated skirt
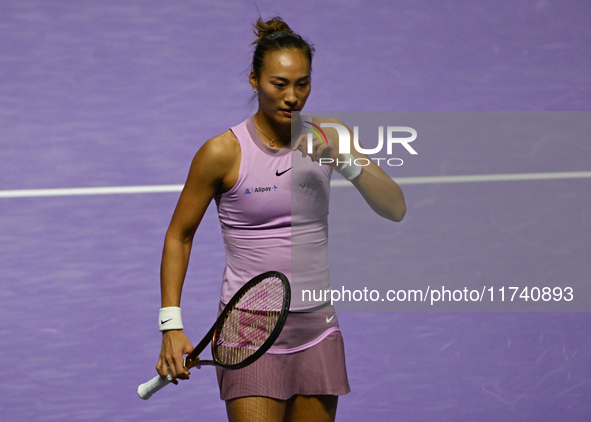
column 316, row 370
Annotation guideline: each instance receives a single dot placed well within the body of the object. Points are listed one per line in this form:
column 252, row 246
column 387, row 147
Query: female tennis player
column 272, row 198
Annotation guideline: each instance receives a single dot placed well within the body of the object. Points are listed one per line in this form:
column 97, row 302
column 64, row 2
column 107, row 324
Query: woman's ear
column 254, row 82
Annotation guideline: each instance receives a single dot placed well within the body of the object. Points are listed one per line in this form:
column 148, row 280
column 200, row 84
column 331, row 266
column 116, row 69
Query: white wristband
column 347, row 168
column 170, row 319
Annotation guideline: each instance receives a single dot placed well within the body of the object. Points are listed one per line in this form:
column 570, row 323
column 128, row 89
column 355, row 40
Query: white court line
column 22, row 193
column 89, row 191
column 481, row 178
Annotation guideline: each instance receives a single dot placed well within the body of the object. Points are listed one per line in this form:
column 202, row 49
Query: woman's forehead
column 290, row 61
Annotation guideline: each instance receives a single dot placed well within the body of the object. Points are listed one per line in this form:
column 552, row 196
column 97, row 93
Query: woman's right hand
column 175, row 344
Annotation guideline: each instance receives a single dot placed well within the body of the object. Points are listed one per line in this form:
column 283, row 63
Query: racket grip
column 146, row 389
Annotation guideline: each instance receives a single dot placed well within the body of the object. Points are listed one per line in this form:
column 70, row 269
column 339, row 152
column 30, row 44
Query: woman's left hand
column 320, row 149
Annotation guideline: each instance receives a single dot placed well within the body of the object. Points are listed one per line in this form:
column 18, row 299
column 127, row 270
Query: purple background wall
column 118, row 93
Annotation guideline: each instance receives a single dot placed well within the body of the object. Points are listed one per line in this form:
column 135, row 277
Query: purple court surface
column 122, row 93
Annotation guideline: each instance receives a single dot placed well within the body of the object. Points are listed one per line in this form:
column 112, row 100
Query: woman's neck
column 270, row 132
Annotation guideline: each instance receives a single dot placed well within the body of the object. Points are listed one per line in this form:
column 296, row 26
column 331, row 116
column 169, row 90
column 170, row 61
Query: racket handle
column 146, row 389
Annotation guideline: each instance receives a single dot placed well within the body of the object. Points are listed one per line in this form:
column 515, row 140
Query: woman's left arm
column 382, row 194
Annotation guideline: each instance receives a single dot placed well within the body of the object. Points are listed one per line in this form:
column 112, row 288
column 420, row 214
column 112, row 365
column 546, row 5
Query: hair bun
column 275, row 35
column 265, row 29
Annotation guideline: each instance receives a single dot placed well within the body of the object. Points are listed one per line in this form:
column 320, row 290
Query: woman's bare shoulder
column 217, row 160
column 221, row 148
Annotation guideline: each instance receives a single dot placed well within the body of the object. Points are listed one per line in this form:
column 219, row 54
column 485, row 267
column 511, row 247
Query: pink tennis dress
column 275, row 218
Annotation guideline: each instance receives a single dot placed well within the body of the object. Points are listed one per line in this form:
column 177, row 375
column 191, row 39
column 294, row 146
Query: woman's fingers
column 171, row 362
column 298, row 143
column 320, row 148
column 162, row 368
column 301, row 144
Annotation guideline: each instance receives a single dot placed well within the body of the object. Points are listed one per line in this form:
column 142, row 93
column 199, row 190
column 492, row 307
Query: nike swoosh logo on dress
column 283, row 172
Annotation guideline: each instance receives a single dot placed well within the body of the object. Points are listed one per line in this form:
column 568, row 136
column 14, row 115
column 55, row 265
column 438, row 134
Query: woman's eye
column 279, row 85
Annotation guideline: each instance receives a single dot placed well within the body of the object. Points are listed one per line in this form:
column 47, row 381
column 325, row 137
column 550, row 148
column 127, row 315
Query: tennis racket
column 244, row 331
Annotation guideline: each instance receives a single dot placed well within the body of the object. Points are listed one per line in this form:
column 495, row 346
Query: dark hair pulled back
column 274, row 35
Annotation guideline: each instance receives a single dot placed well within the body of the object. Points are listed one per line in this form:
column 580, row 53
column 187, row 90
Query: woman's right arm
column 213, row 170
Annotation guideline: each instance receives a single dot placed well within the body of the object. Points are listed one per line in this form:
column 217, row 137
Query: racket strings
column 250, row 322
